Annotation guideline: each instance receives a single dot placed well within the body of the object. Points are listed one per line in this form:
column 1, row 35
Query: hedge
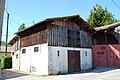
column 6, row 62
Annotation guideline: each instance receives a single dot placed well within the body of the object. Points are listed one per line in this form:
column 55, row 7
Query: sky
column 33, row 11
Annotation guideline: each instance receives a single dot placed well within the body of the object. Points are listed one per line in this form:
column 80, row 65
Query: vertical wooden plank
column 58, row 36
column 51, row 36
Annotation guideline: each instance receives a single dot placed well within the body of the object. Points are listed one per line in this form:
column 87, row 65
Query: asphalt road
column 96, row 74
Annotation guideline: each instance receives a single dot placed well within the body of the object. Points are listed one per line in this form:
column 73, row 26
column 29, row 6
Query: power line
column 15, row 21
column 115, row 4
column 71, row 6
column 12, row 26
column 11, row 18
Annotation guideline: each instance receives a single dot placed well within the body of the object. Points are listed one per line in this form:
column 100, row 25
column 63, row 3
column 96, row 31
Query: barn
column 106, row 48
column 54, row 46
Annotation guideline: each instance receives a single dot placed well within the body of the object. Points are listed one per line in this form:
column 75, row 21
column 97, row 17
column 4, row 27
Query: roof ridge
column 108, row 26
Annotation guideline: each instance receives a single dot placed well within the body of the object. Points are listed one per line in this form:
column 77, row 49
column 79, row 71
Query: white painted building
column 43, row 51
column 47, row 61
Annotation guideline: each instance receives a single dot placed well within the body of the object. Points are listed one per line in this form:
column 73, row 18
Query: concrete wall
column 46, row 60
column 86, row 59
column 35, row 62
column 39, row 62
column 59, row 64
column 16, row 60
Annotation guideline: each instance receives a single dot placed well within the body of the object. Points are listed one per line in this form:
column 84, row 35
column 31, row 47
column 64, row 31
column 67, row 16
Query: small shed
column 106, row 46
column 106, row 35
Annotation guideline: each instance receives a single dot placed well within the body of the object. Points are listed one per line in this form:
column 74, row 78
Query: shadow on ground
column 8, row 74
column 99, row 70
column 96, row 70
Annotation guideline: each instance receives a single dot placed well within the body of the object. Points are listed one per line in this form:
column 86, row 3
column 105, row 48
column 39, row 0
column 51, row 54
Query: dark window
column 58, row 52
column 23, row 50
column 16, row 56
column 78, row 32
column 13, row 53
column 78, row 38
column 36, row 49
column 85, row 53
column 69, row 31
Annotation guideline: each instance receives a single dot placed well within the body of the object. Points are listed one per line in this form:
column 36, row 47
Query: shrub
column 6, row 62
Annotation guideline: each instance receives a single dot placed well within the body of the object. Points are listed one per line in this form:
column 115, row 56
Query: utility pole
column 7, row 34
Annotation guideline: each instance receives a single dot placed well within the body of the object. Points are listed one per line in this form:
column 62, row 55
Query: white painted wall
column 25, row 59
column 35, row 62
column 59, row 64
column 39, row 60
column 86, row 59
column 15, row 61
column 46, row 60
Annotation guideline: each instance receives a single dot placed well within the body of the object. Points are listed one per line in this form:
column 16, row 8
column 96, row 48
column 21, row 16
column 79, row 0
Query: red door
column 73, row 61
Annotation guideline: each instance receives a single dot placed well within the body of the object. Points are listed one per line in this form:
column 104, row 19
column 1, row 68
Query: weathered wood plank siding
column 103, row 37
column 117, row 35
column 34, row 36
column 85, row 39
column 67, row 34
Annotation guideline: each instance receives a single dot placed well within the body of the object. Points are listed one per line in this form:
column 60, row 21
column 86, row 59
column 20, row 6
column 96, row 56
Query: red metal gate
column 73, row 61
column 106, row 55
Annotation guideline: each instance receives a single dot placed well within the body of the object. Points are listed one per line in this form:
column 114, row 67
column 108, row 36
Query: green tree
column 3, row 43
column 22, row 27
column 100, row 16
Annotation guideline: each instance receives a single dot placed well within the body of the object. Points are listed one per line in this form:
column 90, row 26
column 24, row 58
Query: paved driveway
column 96, row 74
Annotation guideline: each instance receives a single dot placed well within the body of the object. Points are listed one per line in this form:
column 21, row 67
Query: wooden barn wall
column 105, row 38
column 86, row 40
column 15, row 45
column 98, row 38
column 34, row 36
column 58, row 33
column 117, row 35
column 67, row 34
